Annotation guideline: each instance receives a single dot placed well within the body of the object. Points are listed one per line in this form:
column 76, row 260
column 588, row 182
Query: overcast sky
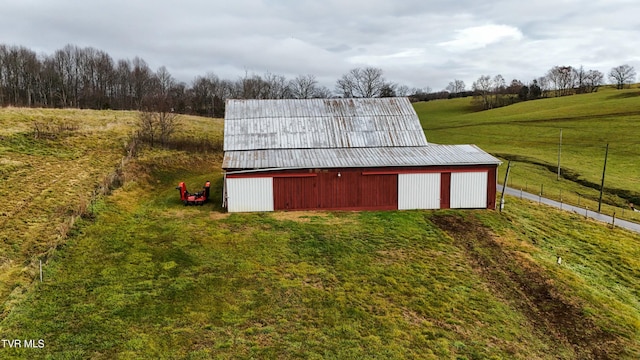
column 417, row 43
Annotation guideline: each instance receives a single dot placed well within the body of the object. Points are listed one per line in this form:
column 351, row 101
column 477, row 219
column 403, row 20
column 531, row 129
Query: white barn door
column 469, row 190
column 249, row 194
column 419, row 191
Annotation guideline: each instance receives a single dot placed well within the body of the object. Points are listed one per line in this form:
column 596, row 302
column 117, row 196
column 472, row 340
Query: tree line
column 491, row 92
column 90, row 78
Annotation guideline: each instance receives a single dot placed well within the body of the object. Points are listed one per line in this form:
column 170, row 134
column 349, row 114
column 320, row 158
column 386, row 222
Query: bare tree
column 323, row 92
column 142, row 81
column 303, row 87
column 167, row 125
column 275, row 87
column 451, row 87
column 622, row 75
column 456, row 86
column 587, row 81
column 482, row 89
column 19, row 75
column 157, row 127
column 3, row 51
column 388, row 90
column 202, row 95
column 70, row 73
column 345, row 86
column 499, row 89
column 563, row 80
column 543, row 85
column 179, row 97
column 402, row 90
column 593, row 80
column 103, row 80
column 421, row 91
column 580, row 78
column 249, row 87
column 148, row 127
column 122, row 89
column 164, row 81
column 363, row 83
column 514, row 87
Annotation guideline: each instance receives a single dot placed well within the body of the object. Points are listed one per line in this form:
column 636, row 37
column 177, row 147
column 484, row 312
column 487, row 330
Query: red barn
column 346, row 154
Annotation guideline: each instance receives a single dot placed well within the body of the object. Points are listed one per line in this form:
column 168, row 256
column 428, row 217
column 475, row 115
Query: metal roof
column 321, row 124
column 429, row 155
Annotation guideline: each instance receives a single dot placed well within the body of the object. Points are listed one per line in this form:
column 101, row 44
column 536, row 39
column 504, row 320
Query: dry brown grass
column 54, row 165
column 48, row 182
column 299, row 216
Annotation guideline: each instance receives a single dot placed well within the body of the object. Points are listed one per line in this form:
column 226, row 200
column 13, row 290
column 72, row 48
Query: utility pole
column 559, row 152
column 504, row 185
column 606, row 154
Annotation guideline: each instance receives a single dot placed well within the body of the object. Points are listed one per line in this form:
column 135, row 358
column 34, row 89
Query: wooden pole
column 604, row 169
column 559, row 152
column 504, row 185
column 540, row 197
column 560, row 199
column 613, row 220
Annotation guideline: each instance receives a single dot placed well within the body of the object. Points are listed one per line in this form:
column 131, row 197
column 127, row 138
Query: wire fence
column 586, row 198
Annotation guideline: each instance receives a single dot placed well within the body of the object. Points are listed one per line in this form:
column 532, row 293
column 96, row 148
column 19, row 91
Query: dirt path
column 522, row 284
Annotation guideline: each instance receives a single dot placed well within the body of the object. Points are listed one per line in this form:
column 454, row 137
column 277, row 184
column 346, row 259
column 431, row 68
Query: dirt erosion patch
column 523, row 285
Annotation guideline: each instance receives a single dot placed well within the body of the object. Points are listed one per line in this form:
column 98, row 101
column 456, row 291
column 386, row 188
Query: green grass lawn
column 144, row 277
column 529, row 133
column 150, row 278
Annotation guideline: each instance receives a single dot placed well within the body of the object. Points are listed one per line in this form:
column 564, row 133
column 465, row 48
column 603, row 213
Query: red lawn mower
column 198, row 198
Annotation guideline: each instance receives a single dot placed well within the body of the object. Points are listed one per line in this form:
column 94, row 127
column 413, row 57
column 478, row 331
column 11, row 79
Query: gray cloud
column 416, row 43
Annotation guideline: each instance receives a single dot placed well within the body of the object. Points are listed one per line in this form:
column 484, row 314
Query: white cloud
column 415, row 42
column 481, row 36
column 402, row 57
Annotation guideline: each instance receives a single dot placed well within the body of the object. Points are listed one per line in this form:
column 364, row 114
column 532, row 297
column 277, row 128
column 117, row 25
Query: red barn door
column 295, row 193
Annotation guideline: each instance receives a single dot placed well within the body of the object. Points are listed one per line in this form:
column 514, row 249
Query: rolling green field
column 137, row 275
column 529, row 134
column 150, row 278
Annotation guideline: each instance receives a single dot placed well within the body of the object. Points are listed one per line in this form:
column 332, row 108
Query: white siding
column 419, row 191
column 250, row 194
column 469, row 190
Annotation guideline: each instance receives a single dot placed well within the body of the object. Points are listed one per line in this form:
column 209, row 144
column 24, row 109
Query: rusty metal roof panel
column 321, row 123
column 429, row 155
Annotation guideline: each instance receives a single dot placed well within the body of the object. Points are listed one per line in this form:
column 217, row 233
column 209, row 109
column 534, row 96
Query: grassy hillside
column 145, row 277
column 529, row 133
column 149, row 278
column 137, row 275
column 47, row 180
column 53, row 165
